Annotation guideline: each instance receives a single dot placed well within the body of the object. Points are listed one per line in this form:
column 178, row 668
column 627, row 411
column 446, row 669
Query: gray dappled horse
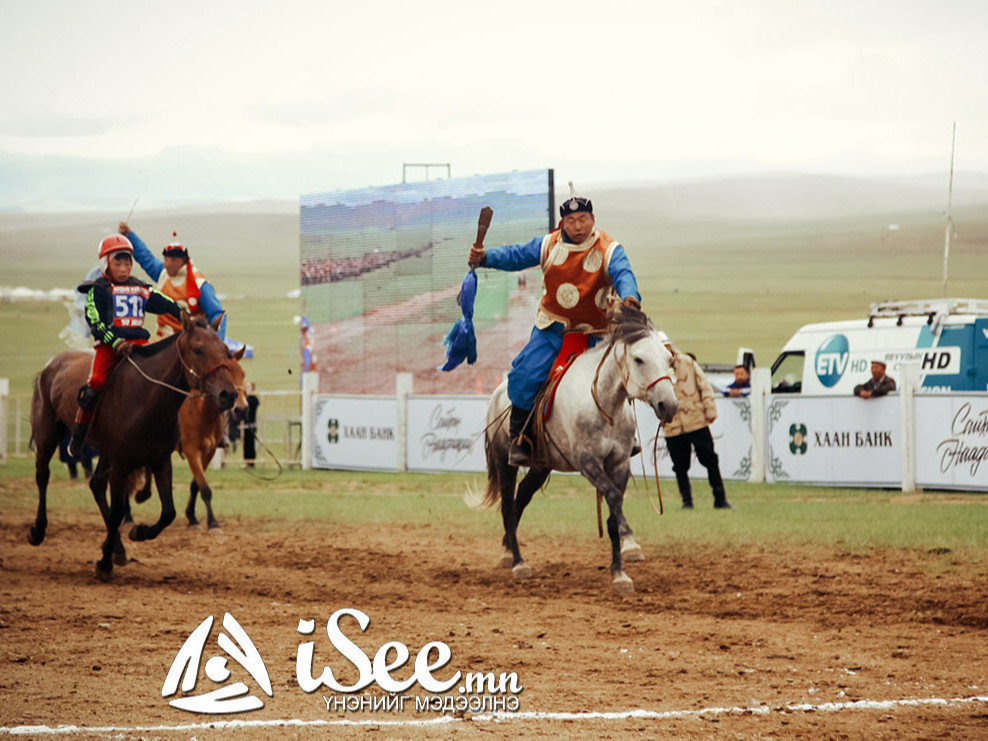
column 591, row 430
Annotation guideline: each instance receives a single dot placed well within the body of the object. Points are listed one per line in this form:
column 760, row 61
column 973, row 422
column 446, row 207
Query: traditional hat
column 880, row 361
column 574, row 204
column 176, row 248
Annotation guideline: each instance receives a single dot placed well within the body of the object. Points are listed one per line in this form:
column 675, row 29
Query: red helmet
column 115, row 243
column 111, row 244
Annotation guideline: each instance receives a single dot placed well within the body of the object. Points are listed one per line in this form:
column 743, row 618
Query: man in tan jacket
column 690, row 428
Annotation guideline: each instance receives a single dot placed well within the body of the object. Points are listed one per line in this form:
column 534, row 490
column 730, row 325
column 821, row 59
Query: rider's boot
column 520, row 451
column 83, row 416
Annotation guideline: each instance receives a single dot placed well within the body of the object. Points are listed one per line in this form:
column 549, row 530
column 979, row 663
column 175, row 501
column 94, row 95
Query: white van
column 947, row 337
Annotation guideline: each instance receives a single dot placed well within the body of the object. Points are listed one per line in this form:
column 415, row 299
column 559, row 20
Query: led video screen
column 380, row 269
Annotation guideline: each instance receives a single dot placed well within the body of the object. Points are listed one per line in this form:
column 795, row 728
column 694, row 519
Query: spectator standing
column 690, row 429
column 250, row 426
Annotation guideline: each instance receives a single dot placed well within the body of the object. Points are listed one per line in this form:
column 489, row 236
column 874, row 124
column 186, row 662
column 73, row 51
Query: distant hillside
column 786, row 197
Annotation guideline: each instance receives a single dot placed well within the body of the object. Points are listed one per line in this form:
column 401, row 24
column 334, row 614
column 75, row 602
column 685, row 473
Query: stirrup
column 518, row 455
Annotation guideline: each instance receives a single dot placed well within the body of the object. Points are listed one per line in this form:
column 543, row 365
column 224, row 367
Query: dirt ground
column 747, row 629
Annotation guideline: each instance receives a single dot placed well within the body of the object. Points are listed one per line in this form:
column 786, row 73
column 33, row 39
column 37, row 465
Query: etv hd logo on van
column 832, row 359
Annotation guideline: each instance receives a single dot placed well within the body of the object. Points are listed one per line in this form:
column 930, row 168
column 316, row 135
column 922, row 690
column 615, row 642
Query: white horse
column 591, row 430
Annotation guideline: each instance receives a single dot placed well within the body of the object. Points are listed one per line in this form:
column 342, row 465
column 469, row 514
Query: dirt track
column 748, row 628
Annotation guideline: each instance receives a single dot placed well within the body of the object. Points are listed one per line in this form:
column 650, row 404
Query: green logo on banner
column 334, row 431
column 797, row 439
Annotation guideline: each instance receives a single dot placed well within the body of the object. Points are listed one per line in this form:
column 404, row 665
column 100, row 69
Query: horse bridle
column 626, row 377
column 192, row 371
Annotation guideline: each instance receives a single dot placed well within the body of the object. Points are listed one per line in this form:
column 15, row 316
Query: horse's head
column 206, row 361
column 240, row 406
column 647, row 364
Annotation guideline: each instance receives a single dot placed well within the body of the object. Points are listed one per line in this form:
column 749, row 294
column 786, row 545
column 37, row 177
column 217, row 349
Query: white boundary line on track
column 827, row 707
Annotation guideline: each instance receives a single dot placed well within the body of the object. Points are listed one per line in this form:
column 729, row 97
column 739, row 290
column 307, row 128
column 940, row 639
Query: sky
column 245, row 99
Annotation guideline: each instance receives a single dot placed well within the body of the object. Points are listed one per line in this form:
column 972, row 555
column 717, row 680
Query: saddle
column 574, row 345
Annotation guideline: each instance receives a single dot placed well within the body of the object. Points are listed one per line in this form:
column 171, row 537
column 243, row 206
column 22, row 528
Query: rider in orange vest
column 584, row 272
column 178, row 279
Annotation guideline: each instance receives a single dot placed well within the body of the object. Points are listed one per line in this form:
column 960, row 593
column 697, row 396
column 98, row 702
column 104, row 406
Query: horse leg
column 198, row 464
column 508, row 477
column 526, row 490
column 617, row 526
column 190, row 508
column 97, row 485
column 46, row 443
column 163, row 481
column 118, row 498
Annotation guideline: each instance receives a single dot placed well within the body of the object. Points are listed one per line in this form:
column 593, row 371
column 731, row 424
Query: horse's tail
column 496, row 460
column 493, row 493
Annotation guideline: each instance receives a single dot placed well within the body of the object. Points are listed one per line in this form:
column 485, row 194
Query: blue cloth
column 531, row 366
column 155, row 268
column 461, row 342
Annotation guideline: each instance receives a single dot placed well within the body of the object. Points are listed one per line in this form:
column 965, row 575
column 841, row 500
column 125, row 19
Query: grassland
column 712, row 283
column 775, row 516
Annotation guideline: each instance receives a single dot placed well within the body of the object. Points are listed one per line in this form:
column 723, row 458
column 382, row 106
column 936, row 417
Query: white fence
column 904, row 440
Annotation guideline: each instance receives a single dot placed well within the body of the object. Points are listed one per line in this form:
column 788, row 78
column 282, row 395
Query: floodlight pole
column 426, row 165
column 950, row 220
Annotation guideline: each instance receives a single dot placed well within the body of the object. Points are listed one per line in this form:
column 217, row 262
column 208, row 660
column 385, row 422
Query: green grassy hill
column 712, row 281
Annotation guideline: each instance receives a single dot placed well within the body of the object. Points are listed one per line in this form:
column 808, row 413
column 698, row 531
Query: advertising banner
column 952, row 441
column 355, row 432
column 731, row 432
column 828, row 440
column 446, row 433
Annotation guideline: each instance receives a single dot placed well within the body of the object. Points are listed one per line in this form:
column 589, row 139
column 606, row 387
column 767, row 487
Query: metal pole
column 950, row 221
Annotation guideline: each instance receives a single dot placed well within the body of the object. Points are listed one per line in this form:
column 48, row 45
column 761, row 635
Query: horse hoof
column 632, row 553
column 217, row 530
column 507, row 560
column 136, row 533
column 193, row 526
column 104, row 575
column 521, row 571
column 120, row 559
column 35, row 539
column 622, row 583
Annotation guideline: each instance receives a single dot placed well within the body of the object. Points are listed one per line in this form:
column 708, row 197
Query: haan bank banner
column 952, row 441
column 358, row 432
column 834, row 440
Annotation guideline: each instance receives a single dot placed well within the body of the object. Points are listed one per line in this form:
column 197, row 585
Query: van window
column 787, row 373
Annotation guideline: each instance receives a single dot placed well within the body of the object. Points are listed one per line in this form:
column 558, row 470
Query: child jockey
column 115, row 306
column 584, row 272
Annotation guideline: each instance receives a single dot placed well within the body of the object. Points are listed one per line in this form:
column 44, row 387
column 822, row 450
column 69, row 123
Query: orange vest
column 186, row 295
column 577, row 287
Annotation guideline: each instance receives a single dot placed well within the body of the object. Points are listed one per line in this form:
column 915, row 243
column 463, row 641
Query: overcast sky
column 602, row 91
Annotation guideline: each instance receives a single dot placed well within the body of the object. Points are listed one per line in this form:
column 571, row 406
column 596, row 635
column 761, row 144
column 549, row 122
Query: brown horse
column 202, row 426
column 136, row 422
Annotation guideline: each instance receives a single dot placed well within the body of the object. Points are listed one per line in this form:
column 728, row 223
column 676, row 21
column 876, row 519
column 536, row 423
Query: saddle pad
column 574, row 345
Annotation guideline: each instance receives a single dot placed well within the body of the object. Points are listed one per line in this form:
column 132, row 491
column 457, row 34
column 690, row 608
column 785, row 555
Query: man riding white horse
column 584, row 272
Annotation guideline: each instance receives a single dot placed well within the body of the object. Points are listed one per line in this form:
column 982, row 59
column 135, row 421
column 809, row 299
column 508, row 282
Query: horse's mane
column 149, row 351
column 628, row 324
